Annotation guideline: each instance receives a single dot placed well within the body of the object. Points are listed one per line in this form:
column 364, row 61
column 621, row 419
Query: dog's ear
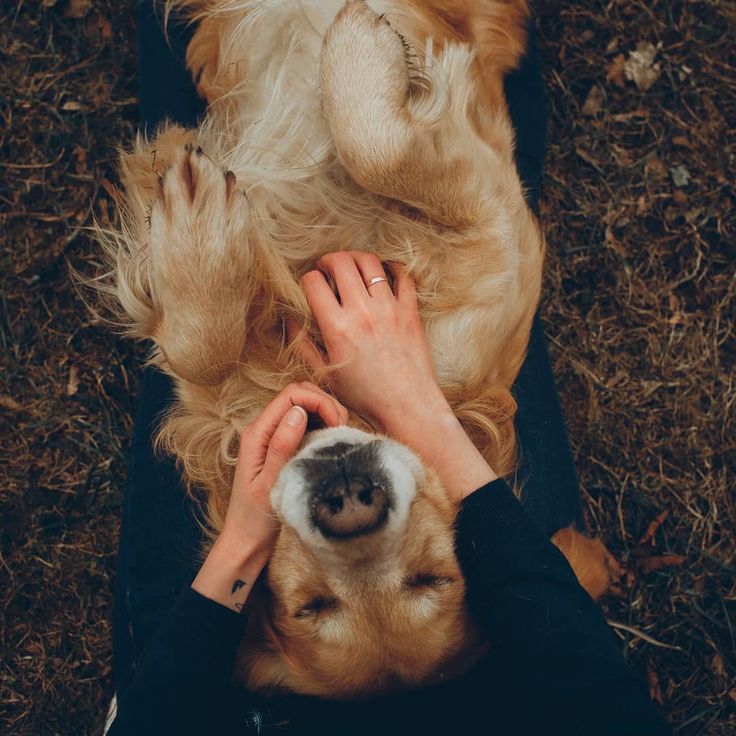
column 264, row 669
column 260, row 663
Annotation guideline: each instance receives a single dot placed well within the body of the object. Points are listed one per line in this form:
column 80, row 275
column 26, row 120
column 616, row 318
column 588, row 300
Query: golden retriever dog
column 378, row 126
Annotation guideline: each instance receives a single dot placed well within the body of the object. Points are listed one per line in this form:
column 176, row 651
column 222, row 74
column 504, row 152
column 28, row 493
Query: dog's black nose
column 348, row 506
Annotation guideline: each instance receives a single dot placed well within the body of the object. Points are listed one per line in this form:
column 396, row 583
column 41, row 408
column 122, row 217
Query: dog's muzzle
column 349, row 491
column 346, row 484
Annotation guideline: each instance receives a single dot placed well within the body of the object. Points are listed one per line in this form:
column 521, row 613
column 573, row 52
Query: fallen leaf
column 655, row 691
column 594, row 101
column 9, row 403
column 681, row 140
column 71, row 105
column 717, row 665
column 656, row 168
column 671, row 214
column 650, row 564
column 72, row 385
column 80, row 159
column 692, row 215
column 640, row 67
column 77, row 8
column 98, row 26
column 585, row 36
column 654, row 527
column 679, row 196
column 615, row 70
column 680, row 176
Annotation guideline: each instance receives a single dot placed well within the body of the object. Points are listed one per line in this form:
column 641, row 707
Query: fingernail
column 296, row 416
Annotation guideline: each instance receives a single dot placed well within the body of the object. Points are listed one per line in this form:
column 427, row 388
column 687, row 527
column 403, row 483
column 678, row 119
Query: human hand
column 250, row 527
column 375, row 338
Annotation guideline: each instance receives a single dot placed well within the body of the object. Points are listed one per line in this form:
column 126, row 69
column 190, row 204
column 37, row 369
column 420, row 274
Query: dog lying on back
column 331, row 126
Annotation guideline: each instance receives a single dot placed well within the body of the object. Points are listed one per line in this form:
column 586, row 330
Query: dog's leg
column 201, row 276
column 213, row 78
column 595, row 567
column 406, row 133
column 126, row 248
column 141, row 169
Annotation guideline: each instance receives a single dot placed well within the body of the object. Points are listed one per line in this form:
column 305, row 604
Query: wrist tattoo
column 237, row 585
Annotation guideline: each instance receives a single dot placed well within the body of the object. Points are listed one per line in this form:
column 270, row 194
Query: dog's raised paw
column 201, row 267
column 193, row 184
column 363, row 62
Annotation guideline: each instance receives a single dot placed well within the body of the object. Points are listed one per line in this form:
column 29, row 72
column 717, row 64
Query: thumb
column 284, row 442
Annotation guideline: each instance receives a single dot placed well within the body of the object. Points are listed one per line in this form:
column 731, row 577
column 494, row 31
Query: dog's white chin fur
column 290, row 496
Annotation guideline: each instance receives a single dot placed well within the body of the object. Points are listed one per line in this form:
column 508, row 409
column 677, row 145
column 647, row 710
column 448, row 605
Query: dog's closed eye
column 316, row 606
column 424, row 580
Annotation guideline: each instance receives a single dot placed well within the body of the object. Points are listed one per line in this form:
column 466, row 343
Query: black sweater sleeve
column 182, row 681
column 545, row 631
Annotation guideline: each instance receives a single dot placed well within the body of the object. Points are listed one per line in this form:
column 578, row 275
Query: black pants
column 159, row 539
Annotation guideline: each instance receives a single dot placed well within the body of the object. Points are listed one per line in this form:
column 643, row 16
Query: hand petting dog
column 266, row 445
column 374, row 335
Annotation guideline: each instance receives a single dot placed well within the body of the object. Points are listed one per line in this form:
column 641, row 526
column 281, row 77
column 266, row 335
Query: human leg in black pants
column 159, row 536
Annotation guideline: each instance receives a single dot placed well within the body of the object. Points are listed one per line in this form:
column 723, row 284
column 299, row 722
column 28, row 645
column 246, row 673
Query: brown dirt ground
column 638, row 304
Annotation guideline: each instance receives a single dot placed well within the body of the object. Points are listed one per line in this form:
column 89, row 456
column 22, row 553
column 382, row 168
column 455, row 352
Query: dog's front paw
column 201, row 271
column 194, row 192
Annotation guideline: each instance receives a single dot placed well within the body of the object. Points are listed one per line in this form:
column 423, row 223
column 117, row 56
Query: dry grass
column 638, row 306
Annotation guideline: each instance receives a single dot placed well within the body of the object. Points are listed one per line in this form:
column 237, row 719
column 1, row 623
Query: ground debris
column 680, row 176
column 655, row 691
column 594, row 101
column 638, row 304
column 640, row 68
column 650, row 564
column 77, row 8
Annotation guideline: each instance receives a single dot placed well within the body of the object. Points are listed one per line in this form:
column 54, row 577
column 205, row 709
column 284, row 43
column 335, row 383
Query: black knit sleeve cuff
column 215, row 629
column 496, row 539
column 196, row 643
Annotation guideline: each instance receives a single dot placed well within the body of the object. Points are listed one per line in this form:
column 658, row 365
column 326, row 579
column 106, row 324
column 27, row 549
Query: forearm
column 435, row 434
column 230, row 570
column 545, row 631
